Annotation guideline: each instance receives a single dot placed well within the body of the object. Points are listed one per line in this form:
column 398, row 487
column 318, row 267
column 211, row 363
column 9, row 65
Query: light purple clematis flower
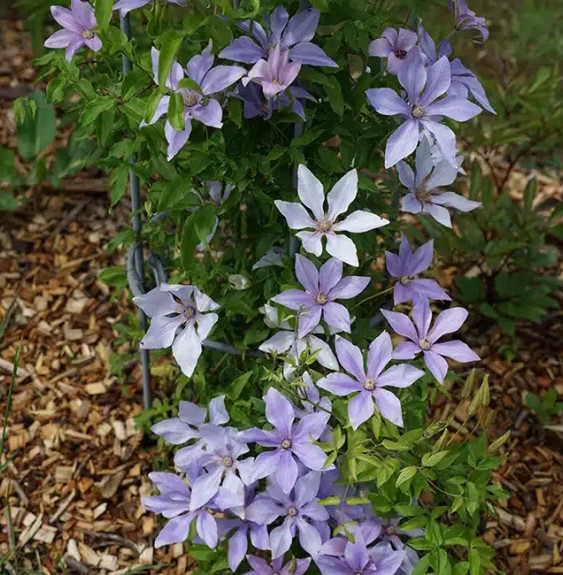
column 78, row 28
column 397, row 47
column 191, row 418
column 425, row 195
column 293, row 35
column 422, row 110
column 289, row 440
column 322, row 287
column 255, row 105
column 209, row 80
column 261, row 567
column 174, row 504
column 467, row 20
column 240, row 530
column 296, row 509
column 464, row 82
column 371, row 383
column 390, row 532
column 287, row 341
column 325, row 224
column 225, row 476
column 357, row 559
column 125, row 6
column 423, row 339
column 173, row 308
column 275, row 74
column 406, row 266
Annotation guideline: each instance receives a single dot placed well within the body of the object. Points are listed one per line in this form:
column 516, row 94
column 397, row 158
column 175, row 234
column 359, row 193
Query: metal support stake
column 138, row 256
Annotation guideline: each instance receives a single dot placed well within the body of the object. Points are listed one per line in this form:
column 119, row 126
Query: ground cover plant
column 287, row 274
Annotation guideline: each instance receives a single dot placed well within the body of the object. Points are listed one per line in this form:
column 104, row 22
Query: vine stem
column 138, row 257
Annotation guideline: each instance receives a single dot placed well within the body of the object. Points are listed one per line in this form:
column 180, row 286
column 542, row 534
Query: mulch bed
column 77, row 464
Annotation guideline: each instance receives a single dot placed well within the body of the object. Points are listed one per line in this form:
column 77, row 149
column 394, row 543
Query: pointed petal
column 413, row 78
column 448, row 321
column 379, row 355
column 402, row 142
column 279, row 411
column 204, row 488
column 337, row 316
column 243, row 50
column 307, row 274
column 200, row 64
column 342, row 194
column 330, row 274
column 401, row 324
column 438, row 82
column 211, row 114
column 310, row 191
column 360, row 221
column 295, row 214
column 280, row 539
column 310, row 54
column 459, row 109
column 339, row 384
column 406, row 350
column 175, row 531
column 399, row 376
column 360, row 409
column 387, row 102
column 308, row 320
column 456, row 350
column 342, row 248
column 176, row 140
column 312, row 242
column 187, row 349
column 389, row 406
column 456, row 201
column 286, row 472
column 437, row 365
column 220, row 78
column 301, row 27
column 351, row 358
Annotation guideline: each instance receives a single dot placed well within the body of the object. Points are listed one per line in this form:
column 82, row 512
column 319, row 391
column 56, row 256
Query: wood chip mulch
column 77, row 466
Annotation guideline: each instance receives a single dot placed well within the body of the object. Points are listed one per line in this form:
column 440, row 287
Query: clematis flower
column 209, row 80
column 191, row 419
column 425, row 340
column 293, row 35
column 125, row 6
column 255, row 105
column 240, row 530
column 182, row 309
column 425, row 195
column 370, row 383
column 325, row 224
column 261, row 567
column 225, row 475
column 296, row 508
column 174, row 504
column 406, row 266
column 289, row 440
column 390, row 532
column 322, row 287
column 467, row 20
column 78, row 28
column 287, row 341
column 397, row 47
column 463, row 81
column 357, row 559
column 276, row 74
column 422, row 110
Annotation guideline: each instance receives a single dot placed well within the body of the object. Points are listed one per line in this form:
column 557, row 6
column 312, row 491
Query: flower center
column 87, row 34
column 189, row 312
column 418, row 111
column 422, row 194
column 324, row 226
column 369, row 385
column 424, row 343
column 227, row 461
column 390, row 530
column 190, row 98
column 286, row 443
column 292, row 512
column 404, row 280
column 401, row 54
column 321, row 299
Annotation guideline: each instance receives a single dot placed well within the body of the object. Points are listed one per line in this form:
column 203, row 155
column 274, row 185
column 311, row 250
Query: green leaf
column 329, row 501
column 95, row 108
column 171, row 43
column 115, row 276
column 38, row 128
column 151, row 105
column 189, row 84
column 176, row 112
column 103, row 12
column 134, row 82
column 235, row 389
column 334, row 93
column 406, row 474
column 8, row 202
column 196, row 228
column 118, row 183
column 431, row 459
column 474, row 562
